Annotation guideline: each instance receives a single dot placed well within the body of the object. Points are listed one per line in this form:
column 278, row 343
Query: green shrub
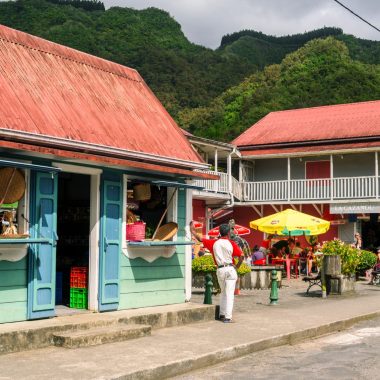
column 350, row 256
column 243, row 269
column 203, row 265
column 367, row 261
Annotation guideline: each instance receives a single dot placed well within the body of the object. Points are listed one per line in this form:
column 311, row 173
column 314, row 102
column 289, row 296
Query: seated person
column 266, row 242
column 297, row 250
column 281, row 244
column 376, row 268
column 258, row 254
column 303, row 259
column 281, row 252
column 310, row 261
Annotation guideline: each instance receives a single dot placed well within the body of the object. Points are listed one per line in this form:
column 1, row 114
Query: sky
column 204, row 22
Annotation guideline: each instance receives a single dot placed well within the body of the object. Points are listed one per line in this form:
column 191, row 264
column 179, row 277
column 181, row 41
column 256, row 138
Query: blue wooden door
column 42, row 256
column 110, row 242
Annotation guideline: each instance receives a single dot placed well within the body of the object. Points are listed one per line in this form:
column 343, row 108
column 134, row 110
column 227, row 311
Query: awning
column 24, row 165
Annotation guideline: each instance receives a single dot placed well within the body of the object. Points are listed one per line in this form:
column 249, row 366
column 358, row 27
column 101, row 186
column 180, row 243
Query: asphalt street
column 353, row 354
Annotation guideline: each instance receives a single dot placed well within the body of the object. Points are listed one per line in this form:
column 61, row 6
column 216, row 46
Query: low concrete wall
column 340, row 284
column 259, row 278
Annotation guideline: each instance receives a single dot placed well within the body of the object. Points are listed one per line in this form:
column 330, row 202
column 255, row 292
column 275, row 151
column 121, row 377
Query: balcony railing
column 236, row 189
column 311, row 189
column 215, row 186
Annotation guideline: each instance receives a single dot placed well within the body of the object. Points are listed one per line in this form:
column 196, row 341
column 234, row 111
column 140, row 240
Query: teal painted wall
column 13, row 290
column 161, row 282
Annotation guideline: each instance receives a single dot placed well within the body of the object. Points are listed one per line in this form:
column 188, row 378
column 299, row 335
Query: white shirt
column 223, row 251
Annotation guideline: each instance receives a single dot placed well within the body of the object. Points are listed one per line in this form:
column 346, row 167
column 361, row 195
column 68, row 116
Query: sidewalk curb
column 179, row 367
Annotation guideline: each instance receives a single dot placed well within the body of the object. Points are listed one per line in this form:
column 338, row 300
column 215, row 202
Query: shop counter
column 150, row 250
column 17, row 249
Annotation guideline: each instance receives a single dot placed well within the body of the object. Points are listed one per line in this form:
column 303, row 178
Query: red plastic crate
column 78, row 277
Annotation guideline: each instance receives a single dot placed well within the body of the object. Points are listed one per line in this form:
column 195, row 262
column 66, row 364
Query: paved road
column 353, row 354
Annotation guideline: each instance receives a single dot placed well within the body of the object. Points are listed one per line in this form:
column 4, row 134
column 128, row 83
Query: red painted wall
column 199, row 212
column 245, row 214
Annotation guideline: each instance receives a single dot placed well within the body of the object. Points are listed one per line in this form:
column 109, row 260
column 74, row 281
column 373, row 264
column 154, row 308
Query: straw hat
column 166, row 231
column 12, row 185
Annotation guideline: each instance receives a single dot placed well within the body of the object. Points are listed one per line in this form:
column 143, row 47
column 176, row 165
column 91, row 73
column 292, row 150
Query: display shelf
column 26, row 241
column 152, row 250
column 17, row 249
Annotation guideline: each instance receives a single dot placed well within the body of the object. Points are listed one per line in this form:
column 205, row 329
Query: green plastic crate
column 78, row 298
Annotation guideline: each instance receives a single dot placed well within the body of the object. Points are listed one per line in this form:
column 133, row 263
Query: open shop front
column 27, row 237
column 156, row 265
column 73, row 245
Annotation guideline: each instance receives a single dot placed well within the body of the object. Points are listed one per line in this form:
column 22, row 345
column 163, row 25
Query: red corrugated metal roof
column 49, row 89
column 53, row 153
column 320, row 123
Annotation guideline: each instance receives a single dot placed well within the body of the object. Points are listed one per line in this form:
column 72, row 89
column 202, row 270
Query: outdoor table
column 288, row 261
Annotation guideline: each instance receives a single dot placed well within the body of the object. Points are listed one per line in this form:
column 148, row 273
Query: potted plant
column 367, row 260
column 349, row 261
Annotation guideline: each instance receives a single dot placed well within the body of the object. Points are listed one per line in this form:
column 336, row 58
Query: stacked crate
column 78, row 287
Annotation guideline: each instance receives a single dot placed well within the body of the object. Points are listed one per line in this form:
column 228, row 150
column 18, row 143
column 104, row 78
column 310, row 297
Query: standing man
column 223, row 250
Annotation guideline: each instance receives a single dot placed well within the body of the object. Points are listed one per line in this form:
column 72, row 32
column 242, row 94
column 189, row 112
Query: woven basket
column 15, row 236
column 141, row 192
column 136, row 231
column 167, row 231
column 12, row 185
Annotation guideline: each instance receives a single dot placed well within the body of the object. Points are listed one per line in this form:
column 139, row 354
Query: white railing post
column 288, row 187
column 377, row 175
column 229, row 174
column 216, row 183
column 332, row 182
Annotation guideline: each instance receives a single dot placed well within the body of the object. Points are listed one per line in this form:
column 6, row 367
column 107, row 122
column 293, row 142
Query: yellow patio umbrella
column 291, row 223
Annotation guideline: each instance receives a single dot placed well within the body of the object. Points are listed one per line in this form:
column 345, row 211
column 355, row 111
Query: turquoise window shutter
column 110, row 242
column 42, row 256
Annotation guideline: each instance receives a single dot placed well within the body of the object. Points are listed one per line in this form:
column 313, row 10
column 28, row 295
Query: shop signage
column 355, row 208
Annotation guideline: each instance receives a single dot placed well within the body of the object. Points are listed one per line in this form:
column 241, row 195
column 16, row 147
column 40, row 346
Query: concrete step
column 31, row 335
column 100, row 335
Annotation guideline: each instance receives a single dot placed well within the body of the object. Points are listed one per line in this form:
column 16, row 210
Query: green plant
column 366, row 261
column 243, row 269
column 350, row 256
column 203, row 265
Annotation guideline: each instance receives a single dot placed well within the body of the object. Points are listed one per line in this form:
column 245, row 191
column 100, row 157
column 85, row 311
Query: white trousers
column 227, row 278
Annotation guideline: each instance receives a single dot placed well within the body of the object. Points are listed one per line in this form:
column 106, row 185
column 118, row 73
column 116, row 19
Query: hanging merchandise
column 12, row 185
column 141, row 192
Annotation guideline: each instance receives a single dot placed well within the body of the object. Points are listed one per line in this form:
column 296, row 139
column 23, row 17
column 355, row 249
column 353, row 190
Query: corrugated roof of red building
column 49, row 89
column 343, row 121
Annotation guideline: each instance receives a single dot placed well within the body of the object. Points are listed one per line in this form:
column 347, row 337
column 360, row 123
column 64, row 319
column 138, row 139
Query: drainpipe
column 229, row 173
column 377, row 175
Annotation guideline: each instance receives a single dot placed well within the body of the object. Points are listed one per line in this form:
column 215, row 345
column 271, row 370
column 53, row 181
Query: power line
column 355, row 14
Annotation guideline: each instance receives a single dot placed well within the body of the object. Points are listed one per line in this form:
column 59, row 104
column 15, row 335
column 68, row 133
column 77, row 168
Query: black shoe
column 227, row 320
column 222, row 317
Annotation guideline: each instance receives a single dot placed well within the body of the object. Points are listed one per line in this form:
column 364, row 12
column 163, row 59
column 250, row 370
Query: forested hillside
column 213, row 93
column 262, row 50
column 320, row 73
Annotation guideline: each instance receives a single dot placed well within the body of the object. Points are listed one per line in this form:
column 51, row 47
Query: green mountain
column 213, row 93
column 320, row 73
column 262, row 50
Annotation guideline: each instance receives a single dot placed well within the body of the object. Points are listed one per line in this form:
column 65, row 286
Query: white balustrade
column 295, row 190
column 310, row 189
column 216, row 186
